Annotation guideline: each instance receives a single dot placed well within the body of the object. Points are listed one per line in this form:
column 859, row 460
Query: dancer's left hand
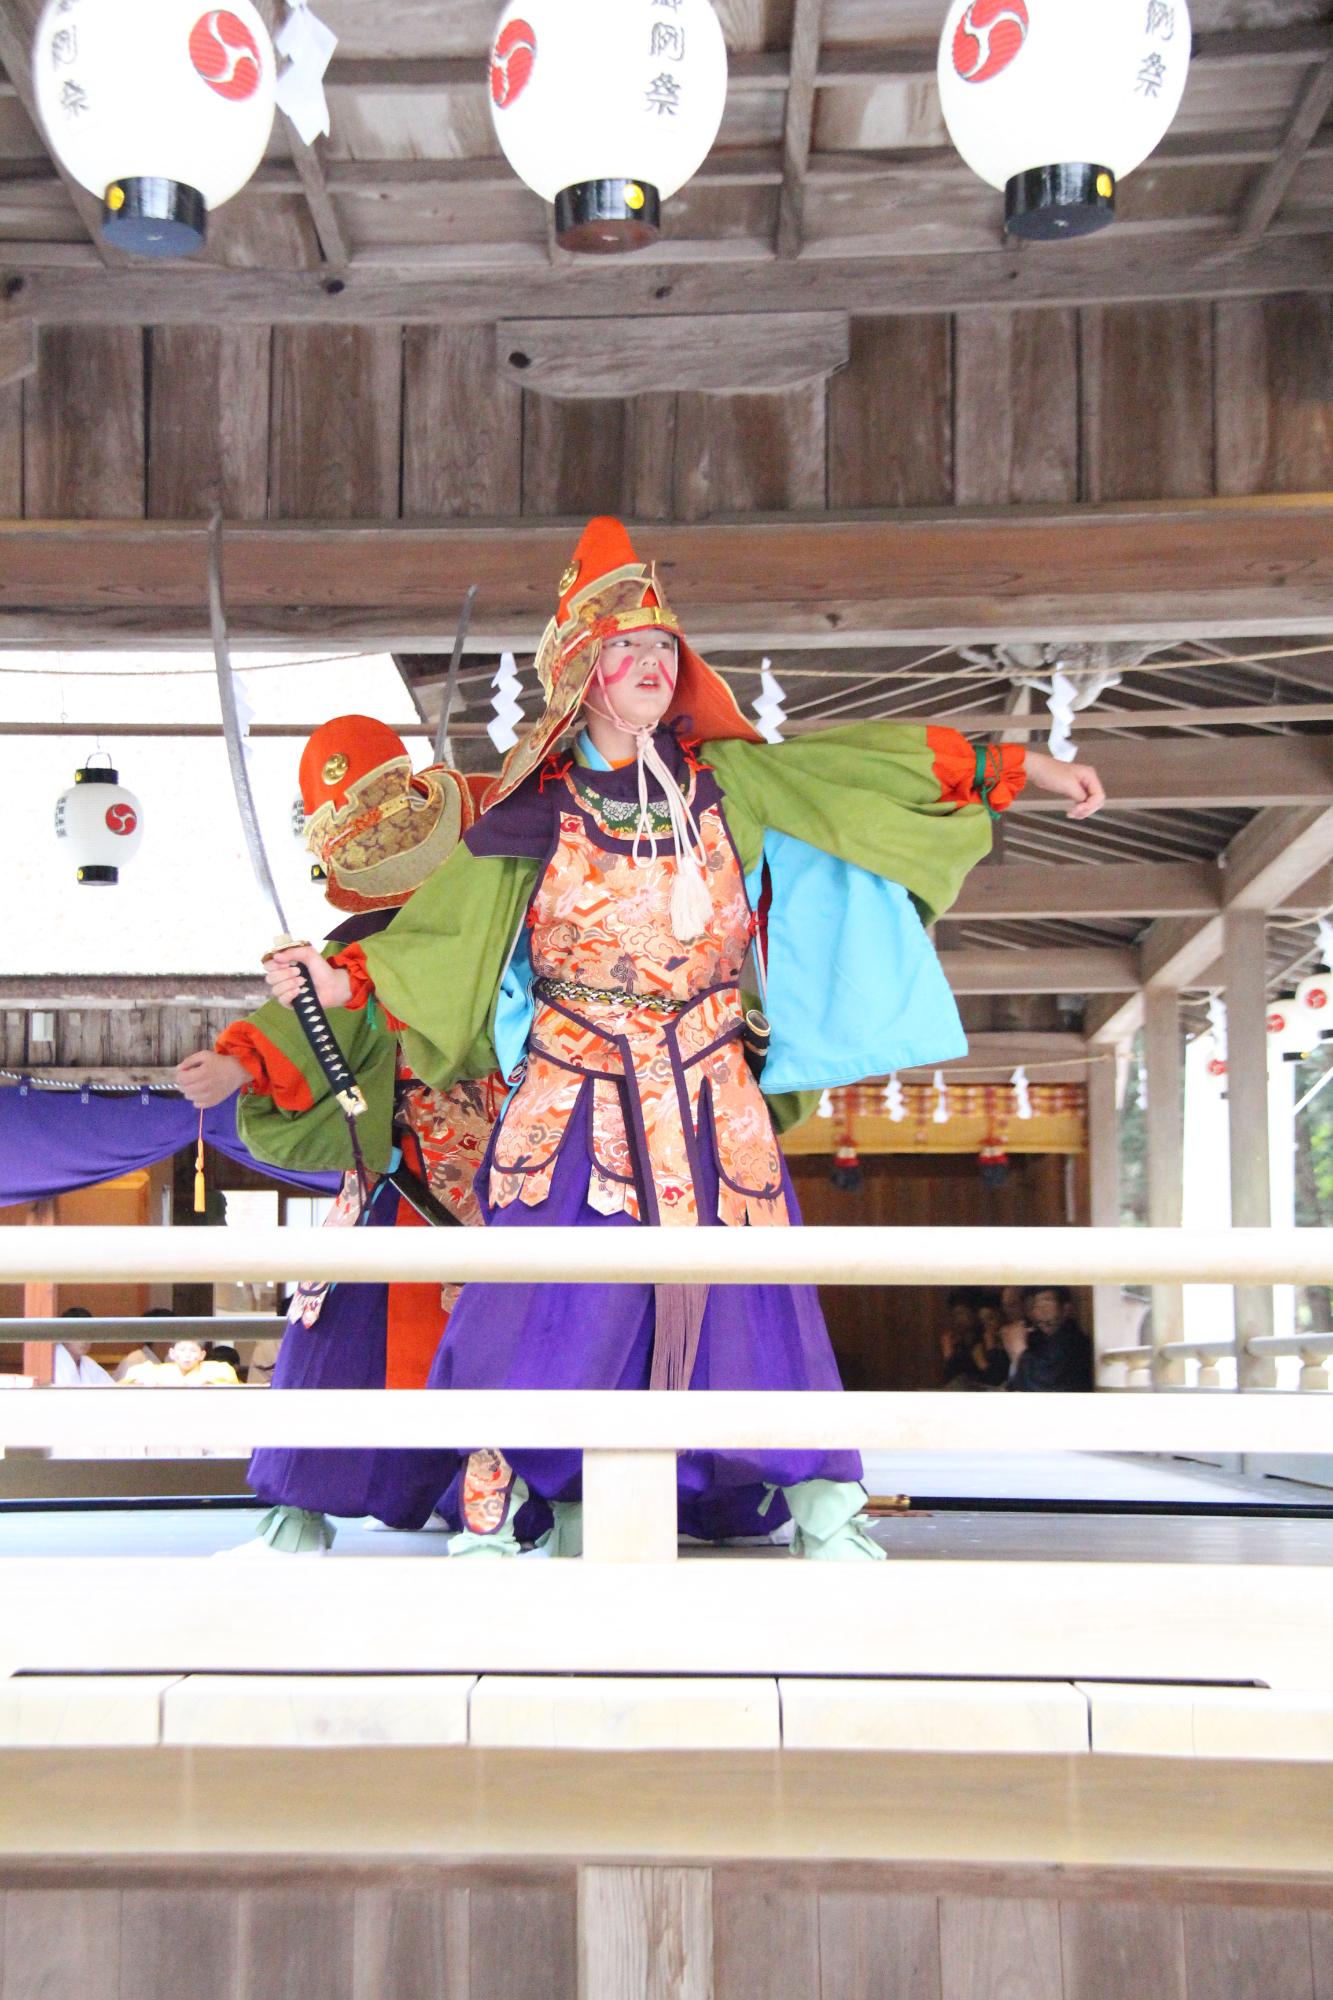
column 1078, row 782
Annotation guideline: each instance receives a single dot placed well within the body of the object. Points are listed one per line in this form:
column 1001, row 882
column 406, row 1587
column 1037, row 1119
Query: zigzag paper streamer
column 308, row 44
column 941, row 1113
column 894, row 1102
column 1022, row 1093
column 825, row 1106
column 504, row 700
column 769, row 711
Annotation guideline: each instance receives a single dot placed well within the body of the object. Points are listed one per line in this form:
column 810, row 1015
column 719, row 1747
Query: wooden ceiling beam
column 1157, row 570
column 1267, row 195
column 806, row 31
column 464, row 284
column 1061, row 969
column 1269, row 861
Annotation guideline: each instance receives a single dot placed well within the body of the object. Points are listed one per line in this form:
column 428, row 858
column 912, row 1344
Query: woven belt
column 576, row 994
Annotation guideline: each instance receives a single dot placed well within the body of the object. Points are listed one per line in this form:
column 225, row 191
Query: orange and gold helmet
column 604, row 591
column 376, row 829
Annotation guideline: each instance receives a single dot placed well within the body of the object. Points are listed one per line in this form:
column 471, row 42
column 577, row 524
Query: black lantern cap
column 1072, row 199
column 151, row 217
column 608, row 218
column 96, row 877
column 96, row 774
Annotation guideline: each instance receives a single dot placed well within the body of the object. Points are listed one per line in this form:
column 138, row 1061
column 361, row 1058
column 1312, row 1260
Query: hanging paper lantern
column 993, row 1164
column 845, row 1173
column 1292, row 1030
column 606, row 108
column 1315, row 995
column 1054, row 101
column 161, row 107
column 102, row 822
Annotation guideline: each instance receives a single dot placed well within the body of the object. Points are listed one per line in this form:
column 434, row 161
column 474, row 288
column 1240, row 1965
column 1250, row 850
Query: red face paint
column 663, row 663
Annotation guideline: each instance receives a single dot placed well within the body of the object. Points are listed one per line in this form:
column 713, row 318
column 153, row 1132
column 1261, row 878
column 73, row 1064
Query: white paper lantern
column 606, row 108
column 161, row 107
column 1055, row 101
column 102, row 822
column 1315, row 995
column 1292, row 1028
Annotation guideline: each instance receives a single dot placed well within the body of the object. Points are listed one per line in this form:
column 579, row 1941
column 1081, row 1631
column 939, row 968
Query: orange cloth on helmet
column 351, row 745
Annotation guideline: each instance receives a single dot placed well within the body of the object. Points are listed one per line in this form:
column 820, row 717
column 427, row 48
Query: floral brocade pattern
column 453, row 1129
column 602, row 921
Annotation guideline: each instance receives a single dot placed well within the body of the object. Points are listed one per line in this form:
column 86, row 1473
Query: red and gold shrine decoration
column 163, row 108
column 1055, row 101
column 980, row 1115
column 101, row 823
column 606, row 108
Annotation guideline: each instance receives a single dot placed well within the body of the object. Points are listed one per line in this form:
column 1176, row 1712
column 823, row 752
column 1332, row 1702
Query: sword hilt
column 309, row 1011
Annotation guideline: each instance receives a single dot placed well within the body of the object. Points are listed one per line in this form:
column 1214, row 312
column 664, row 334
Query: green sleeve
column 316, row 1141
column 868, row 793
column 438, row 966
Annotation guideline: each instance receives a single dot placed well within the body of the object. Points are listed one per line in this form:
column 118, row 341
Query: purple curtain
column 51, row 1141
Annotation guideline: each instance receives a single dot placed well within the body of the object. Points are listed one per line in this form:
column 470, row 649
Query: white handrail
column 236, row 1420
column 841, row 1256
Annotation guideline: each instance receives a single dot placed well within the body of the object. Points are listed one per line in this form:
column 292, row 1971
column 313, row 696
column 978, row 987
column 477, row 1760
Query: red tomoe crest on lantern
column 988, row 37
column 121, row 819
column 226, row 55
column 512, row 61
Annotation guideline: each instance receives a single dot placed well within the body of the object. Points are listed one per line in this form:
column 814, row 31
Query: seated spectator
column 187, row 1366
column 973, row 1356
column 228, row 1356
column 72, row 1367
column 139, row 1355
column 1048, row 1350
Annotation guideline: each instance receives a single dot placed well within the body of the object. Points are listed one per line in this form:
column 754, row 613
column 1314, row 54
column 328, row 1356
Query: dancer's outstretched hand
column 332, row 986
column 207, row 1078
column 1078, row 782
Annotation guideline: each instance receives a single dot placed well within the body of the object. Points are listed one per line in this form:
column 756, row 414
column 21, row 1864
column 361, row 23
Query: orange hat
column 606, row 590
column 378, row 830
column 340, row 752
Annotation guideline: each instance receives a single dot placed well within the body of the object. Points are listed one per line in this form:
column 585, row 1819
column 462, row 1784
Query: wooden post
column 1166, row 1161
column 629, row 1506
column 1244, row 969
column 1104, row 1190
column 39, row 1302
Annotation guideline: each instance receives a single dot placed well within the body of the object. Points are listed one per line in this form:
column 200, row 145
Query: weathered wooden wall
column 735, row 1933
column 379, row 423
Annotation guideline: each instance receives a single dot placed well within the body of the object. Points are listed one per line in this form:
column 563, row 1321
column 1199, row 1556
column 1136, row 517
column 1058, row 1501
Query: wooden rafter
column 458, row 283
column 806, row 31
column 308, row 161
column 1266, row 197
column 1146, row 570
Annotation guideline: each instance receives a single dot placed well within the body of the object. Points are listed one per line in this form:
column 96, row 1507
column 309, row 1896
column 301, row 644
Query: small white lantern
column 1291, row 1028
column 1054, row 101
column 606, row 108
column 1315, row 995
column 161, row 107
column 102, row 822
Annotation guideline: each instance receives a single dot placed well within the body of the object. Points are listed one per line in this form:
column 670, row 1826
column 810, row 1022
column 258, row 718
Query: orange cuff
column 956, row 766
column 352, row 959
column 271, row 1073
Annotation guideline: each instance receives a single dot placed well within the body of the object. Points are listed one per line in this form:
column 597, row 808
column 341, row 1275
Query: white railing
column 1146, row 1364
column 630, row 1442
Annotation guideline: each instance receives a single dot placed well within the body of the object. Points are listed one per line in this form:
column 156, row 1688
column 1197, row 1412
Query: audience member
column 973, row 1355
column 187, row 1366
column 1047, row 1348
column 138, row 1356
